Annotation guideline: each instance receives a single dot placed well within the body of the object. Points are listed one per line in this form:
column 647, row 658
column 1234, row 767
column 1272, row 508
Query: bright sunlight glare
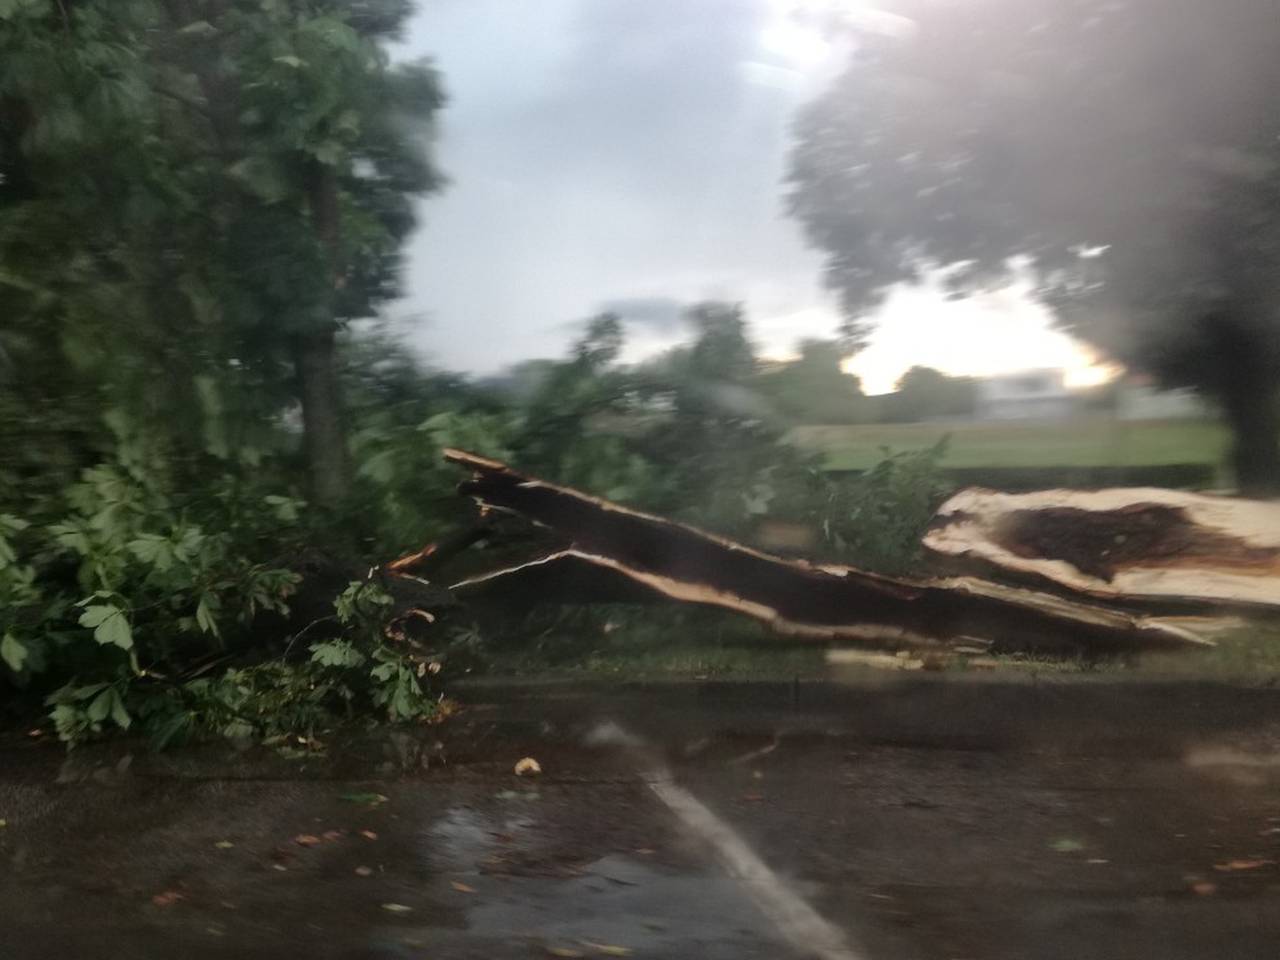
column 995, row 332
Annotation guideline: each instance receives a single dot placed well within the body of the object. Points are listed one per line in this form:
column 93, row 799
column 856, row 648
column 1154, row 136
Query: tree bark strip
column 619, row 554
column 316, row 358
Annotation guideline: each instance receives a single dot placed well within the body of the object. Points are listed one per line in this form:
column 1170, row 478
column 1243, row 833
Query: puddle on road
column 614, row 901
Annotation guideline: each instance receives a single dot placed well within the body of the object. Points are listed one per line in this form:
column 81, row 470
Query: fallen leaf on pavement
column 1232, row 865
column 368, row 799
column 462, row 887
column 608, row 949
column 364, row 871
column 397, row 908
column 1204, row 889
column 3, row 823
column 224, row 844
column 1066, row 845
column 331, row 835
column 753, row 796
column 565, row 952
column 368, row 835
column 167, row 899
column 306, row 840
column 528, row 767
column 279, row 866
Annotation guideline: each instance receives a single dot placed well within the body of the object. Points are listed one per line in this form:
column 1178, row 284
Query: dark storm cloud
column 599, row 151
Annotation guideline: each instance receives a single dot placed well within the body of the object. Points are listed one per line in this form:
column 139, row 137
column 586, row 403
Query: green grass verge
column 693, row 661
column 1248, row 654
column 1069, row 443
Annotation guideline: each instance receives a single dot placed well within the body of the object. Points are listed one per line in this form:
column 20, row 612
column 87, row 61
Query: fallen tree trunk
column 1144, row 547
column 619, row 554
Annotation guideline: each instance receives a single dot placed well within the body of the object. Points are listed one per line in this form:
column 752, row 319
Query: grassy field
column 1070, row 443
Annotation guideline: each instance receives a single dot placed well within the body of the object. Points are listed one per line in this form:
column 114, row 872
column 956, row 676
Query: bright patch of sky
column 615, row 153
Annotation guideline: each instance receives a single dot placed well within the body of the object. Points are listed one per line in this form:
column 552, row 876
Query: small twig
column 298, row 636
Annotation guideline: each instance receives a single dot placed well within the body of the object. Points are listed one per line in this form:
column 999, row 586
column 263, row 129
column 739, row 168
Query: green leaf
column 261, row 177
column 380, row 468
column 71, row 538
column 336, row 653
column 109, row 703
column 13, row 652
column 198, row 28
column 11, row 524
column 95, row 614
column 100, row 707
column 118, row 712
column 205, row 614
column 285, row 508
column 154, row 550
column 67, row 721
column 289, row 60
column 109, row 624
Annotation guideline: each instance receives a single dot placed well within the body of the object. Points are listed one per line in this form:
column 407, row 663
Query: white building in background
column 1139, row 399
column 1028, row 395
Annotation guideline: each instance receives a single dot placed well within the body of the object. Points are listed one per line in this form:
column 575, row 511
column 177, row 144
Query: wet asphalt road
column 931, row 821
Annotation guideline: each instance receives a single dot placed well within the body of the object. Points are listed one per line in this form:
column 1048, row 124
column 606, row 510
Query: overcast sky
column 629, row 154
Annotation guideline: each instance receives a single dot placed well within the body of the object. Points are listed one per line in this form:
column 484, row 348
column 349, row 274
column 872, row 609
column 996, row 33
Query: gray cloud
column 601, row 151
column 660, row 314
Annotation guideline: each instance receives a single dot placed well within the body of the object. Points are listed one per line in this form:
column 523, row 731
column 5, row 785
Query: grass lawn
column 1069, row 443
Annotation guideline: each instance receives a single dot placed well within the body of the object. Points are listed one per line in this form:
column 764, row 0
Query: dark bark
column 1240, row 365
column 1253, row 412
column 316, row 360
column 324, row 432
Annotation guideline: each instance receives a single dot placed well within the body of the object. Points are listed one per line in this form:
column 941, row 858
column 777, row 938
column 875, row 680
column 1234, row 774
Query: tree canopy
column 1126, row 152
column 924, row 393
column 196, row 193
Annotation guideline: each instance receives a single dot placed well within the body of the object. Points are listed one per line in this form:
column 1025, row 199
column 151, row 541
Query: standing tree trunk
column 323, row 430
column 1239, row 362
column 1254, row 416
column 316, row 360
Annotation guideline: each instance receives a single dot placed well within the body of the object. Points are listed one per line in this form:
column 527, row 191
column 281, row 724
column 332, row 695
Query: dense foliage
column 194, row 196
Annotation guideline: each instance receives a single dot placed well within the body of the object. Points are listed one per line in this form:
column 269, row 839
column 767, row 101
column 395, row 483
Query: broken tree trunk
column 1143, row 548
column 618, row 554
